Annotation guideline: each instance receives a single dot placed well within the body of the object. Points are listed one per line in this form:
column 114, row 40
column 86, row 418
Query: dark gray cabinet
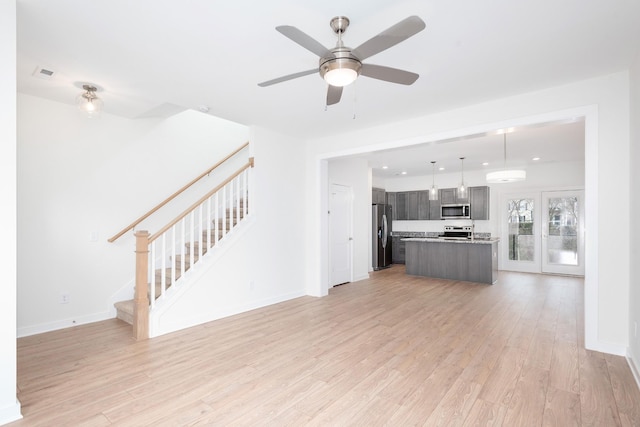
column 415, row 205
column 479, row 201
column 378, row 196
column 401, row 205
column 423, row 205
column 449, row 196
column 406, row 205
column 473, row 262
column 434, row 209
column 412, row 205
column 391, row 200
column 398, row 252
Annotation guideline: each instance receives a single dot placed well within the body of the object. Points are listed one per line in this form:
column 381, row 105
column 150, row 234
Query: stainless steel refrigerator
column 381, row 223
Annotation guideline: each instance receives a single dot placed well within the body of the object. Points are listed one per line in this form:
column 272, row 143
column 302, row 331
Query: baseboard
column 25, row 331
column 634, row 368
column 609, row 348
column 362, row 277
column 10, row 413
column 167, row 328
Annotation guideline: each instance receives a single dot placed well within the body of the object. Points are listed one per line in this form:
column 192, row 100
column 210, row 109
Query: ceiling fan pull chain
column 355, row 99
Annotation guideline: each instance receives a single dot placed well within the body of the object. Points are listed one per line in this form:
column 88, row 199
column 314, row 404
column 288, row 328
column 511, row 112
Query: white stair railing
column 182, row 244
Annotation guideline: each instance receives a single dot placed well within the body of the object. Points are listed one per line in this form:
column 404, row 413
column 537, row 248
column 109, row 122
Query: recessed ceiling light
column 485, row 164
column 404, row 172
column 441, row 168
column 385, row 167
column 536, row 158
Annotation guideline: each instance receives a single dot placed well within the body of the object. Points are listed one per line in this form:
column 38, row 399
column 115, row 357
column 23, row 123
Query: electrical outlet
column 252, row 285
column 65, row 298
column 93, row 236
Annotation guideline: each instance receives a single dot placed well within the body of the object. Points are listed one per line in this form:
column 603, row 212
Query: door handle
column 350, row 238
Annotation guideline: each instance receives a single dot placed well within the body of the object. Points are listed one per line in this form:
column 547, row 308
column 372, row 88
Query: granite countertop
column 482, row 241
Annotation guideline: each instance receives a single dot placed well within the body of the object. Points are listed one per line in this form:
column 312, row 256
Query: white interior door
column 521, row 232
column 340, row 240
column 563, row 232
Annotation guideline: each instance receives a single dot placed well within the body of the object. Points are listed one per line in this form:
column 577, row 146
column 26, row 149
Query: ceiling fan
column 342, row 65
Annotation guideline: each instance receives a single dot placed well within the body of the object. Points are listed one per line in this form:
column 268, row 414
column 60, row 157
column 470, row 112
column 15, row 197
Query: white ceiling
column 546, row 143
column 160, row 56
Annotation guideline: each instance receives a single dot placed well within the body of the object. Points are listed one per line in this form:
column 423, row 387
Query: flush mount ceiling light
column 433, row 191
column 506, row 175
column 462, row 188
column 88, row 102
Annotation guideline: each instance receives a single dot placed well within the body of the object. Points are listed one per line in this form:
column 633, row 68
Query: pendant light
column 504, row 176
column 433, row 191
column 88, row 102
column 462, row 188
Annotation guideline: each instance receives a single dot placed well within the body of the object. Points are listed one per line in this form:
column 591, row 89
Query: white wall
column 634, row 247
column 604, row 101
column 9, row 405
column 355, row 173
column 80, row 177
column 264, row 265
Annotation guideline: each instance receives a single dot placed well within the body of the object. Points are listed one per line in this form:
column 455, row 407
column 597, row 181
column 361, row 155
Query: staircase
column 165, row 259
column 232, row 218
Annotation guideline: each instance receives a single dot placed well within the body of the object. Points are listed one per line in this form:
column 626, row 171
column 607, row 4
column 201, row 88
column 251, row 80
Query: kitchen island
column 469, row 260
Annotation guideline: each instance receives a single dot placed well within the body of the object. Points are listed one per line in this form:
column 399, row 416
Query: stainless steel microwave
column 457, row 211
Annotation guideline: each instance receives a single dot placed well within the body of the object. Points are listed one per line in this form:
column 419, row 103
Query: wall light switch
column 93, row 236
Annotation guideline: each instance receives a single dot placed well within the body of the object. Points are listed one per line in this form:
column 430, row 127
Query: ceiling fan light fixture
column 340, row 72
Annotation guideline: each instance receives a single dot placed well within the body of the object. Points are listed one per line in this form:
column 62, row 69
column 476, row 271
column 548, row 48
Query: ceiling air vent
column 44, row 73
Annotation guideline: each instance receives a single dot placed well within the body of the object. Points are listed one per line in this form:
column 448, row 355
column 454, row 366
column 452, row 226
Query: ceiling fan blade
column 389, row 37
column 304, row 40
column 389, row 74
column 334, row 93
column 287, row 77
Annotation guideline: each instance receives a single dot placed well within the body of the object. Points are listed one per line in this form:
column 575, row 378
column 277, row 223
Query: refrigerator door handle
column 384, row 231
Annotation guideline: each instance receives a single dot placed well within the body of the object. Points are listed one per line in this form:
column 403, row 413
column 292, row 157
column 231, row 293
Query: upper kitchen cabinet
column 406, row 206
column 415, row 205
column 391, row 200
column 479, row 202
column 434, row 209
column 423, row 205
column 400, row 207
column 412, row 205
column 449, row 196
column 378, row 196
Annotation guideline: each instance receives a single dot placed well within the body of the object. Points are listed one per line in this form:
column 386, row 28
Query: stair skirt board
column 125, row 308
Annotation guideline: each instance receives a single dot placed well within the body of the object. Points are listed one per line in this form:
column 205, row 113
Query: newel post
column 141, row 300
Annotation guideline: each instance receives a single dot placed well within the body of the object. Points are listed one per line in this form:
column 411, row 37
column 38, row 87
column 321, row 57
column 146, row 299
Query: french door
column 543, row 232
column 563, row 232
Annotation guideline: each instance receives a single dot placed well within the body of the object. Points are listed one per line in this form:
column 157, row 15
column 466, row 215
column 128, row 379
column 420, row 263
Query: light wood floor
column 392, row 350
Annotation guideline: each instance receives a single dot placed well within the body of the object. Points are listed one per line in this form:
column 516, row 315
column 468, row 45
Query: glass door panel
column 520, row 218
column 562, row 237
column 522, row 246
